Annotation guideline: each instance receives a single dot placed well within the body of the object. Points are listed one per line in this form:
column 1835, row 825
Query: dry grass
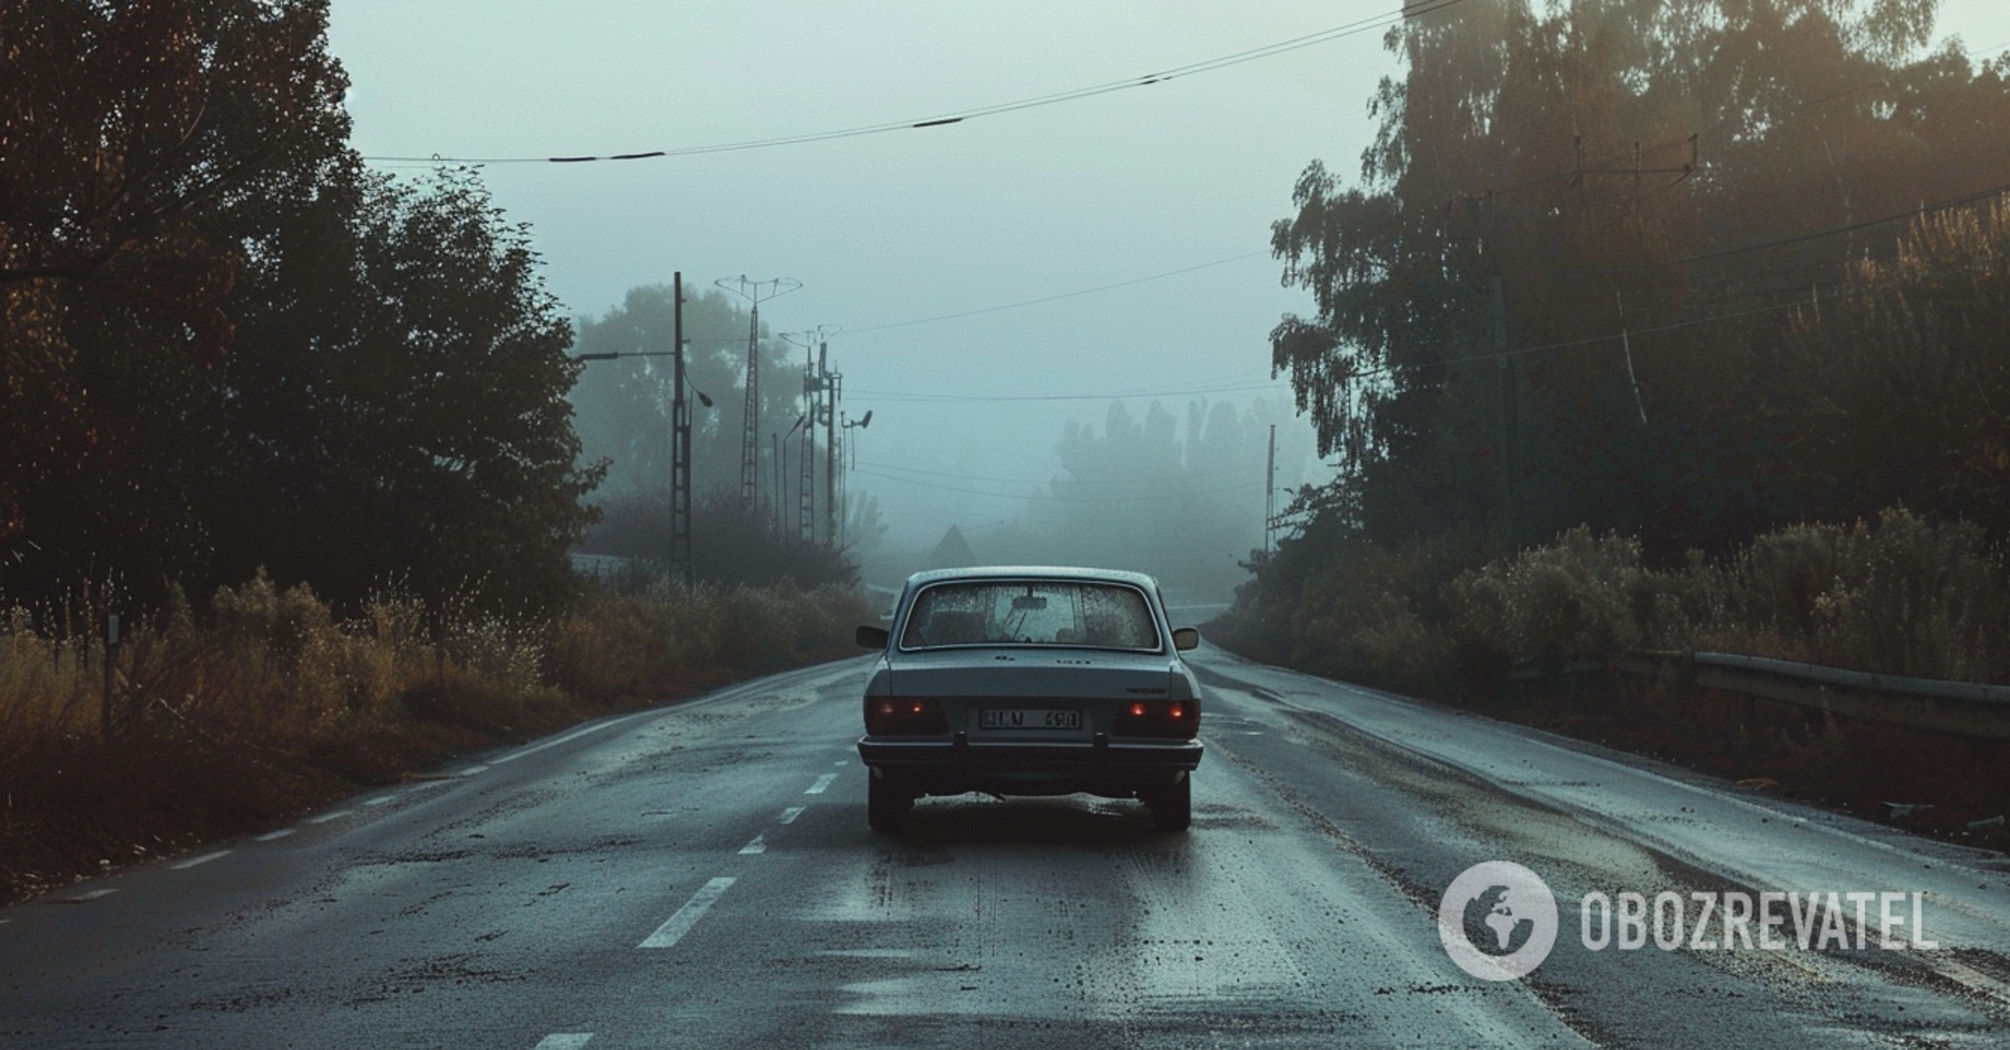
column 268, row 704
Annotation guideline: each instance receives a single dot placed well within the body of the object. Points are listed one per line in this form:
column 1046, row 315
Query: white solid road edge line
column 564, row 1041
column 570, row 737
column 822, row 783
column 687, row 916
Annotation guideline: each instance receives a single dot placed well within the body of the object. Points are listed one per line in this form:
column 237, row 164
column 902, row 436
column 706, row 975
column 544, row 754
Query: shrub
column 1577, row 598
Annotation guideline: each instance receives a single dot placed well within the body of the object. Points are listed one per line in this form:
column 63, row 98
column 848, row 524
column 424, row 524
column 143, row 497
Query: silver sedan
column 1031, row 681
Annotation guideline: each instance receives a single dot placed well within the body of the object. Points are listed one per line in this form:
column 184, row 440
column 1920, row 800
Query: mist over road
column 702, row 875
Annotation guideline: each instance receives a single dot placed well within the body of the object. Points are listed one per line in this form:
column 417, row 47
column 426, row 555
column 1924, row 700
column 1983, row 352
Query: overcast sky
column 894, row 234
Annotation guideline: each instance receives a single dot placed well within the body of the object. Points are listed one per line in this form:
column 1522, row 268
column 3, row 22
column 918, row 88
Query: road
column 701, row 875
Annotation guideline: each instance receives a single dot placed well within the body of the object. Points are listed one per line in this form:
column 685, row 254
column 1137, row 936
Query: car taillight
column 1164, row 718
column 892, row 716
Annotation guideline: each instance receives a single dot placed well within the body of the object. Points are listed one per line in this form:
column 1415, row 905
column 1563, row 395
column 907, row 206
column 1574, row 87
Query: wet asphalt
column 701, row 875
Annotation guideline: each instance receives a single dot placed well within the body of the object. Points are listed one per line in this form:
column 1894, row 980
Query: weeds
column 269, row 703
column 1901, row 595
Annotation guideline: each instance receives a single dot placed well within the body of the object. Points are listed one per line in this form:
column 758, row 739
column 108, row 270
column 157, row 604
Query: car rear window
column 1037, row 612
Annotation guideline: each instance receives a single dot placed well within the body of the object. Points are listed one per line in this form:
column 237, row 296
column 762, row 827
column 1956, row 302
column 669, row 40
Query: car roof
column 1034, row 572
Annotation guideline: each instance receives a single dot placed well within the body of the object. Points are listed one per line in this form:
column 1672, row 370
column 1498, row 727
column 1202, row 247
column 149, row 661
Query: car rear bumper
column 1102, row 767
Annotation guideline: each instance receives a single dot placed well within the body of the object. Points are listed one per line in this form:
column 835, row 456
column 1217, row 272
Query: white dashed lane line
column 674, row 928
column 759, row 845
column 564, row 1041
column 790, row 814
column 822, row 783
column 204, row 859
column 272, row 836
column 326, row 817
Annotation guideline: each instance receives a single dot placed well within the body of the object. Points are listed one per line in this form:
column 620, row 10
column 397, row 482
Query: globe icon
column 1492, row 925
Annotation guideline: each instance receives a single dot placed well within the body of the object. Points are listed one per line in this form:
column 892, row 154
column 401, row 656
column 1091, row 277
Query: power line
column 1060, row 296
column 917, row 397
column 1062, row 499
column 1411, row 10
column 1022, row 481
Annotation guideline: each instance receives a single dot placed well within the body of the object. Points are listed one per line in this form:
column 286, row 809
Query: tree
column 1906, row 375
column 1558, row 294
column 227, row 345
column 408, row 417
column 624, row 417
column 121, row 125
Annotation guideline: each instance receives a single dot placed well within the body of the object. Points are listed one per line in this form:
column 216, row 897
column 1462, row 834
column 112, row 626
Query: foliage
column 1179, row 498
column 1899, row 595
column 281, row 704
column 1905, row 377
column 732, row 544
column 1559, row 293
column 226, row 345
column 122, row 128
column 1576, row 597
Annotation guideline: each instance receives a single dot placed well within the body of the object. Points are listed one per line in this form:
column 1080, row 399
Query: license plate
column 1028, row 718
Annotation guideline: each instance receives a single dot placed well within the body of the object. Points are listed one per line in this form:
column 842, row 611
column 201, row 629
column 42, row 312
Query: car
column 1030, row 681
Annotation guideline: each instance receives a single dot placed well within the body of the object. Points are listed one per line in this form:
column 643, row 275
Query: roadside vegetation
column 1531, row 638
column 264, row 702
column 247, row 377
column 1662, row 326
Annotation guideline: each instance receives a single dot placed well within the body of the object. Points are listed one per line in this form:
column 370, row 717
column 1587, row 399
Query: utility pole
column 1510, row 457
column 755, row 292
column 680, row 434
column 680, row 447
column 833, row 388
column 806, row 469
column 1270, row 492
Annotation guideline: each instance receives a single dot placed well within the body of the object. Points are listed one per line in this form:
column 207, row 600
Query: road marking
column 564, row 1041
column 84, row 898
column 470, row 771
column 759, row 845
column 822, row 783
column 204, row 859
column 687, row 916
column 790, row 814
column 381, row 800
column 841, row 763
column 569, row 737
column 271, row 835
column 326, row 817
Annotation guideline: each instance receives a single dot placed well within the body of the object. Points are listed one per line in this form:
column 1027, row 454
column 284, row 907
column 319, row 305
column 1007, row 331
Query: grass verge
column 267, row 705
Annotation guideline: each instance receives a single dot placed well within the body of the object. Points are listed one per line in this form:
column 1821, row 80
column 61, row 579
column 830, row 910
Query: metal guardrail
column 1968, row 709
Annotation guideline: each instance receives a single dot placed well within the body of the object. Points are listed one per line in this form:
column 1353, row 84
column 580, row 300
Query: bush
column 278, row 705
column 1575, row 599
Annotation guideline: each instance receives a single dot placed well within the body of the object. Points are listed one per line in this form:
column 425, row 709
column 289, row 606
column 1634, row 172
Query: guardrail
column 1964, row 708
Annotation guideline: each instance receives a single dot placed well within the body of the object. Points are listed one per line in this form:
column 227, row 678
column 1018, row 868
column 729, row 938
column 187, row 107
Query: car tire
column 886, row 805
column 1172, row 807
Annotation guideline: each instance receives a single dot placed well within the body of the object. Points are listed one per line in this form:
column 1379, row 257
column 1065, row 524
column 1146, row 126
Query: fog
column 989, row 282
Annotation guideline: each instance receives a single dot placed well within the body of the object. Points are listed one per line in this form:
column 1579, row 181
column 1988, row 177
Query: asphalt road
column 702, row 876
